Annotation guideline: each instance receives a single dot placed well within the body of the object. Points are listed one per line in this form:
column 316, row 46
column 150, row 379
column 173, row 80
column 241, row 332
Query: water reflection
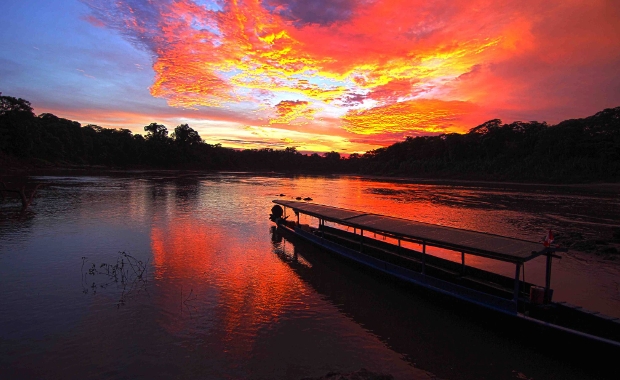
column 435, row 334
column 220, row 273
column 523, row 211
column 226, row 299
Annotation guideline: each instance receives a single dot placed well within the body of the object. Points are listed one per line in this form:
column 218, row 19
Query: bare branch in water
column 128, row 273
column 25, row 196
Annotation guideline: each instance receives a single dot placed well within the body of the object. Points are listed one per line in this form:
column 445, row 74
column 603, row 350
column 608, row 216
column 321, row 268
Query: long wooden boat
column 511, row 296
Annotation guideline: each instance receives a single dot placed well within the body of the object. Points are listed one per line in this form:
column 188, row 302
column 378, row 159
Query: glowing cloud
column 413, row 115
column 288, row 111
column 370, row 67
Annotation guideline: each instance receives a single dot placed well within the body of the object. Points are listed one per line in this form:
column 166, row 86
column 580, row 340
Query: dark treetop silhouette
column 578, row 150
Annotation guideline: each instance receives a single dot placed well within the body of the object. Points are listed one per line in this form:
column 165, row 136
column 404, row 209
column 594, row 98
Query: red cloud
column 393, row 90
column 425, row 66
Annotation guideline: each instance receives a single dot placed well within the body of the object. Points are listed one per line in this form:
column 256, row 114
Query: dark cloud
column 137, row 20
column 252, row 143
column 352, row 99
column 323, row 12
column 388, row 138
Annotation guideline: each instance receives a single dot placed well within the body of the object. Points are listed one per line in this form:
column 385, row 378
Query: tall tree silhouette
column 156, row 131
column 184, row 135
column 11, row 105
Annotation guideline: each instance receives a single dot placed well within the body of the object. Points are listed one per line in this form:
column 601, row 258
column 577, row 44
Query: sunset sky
column 318, row 75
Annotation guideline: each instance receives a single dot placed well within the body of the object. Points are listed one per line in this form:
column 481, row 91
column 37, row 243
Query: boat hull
column 497, row 304
column 437, row 285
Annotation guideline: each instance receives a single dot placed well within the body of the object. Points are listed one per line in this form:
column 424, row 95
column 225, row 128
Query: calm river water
column 205, row 290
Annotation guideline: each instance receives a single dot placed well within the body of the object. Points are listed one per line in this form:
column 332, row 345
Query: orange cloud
column 290, row 110
column 409, row 116
column 210, row 58
column 377, row 66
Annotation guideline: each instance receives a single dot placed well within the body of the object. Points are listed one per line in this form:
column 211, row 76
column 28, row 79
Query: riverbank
column 598, row 186
column 12, row 169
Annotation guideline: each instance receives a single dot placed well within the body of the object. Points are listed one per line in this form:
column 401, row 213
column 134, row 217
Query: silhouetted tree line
column 574, row 150
column 585, row 149
column 47, row 140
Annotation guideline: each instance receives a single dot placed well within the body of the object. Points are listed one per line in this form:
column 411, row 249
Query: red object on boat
column 548, row 239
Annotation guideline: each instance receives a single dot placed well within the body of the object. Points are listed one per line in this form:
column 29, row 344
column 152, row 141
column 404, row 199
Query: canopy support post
column 548, row 278
column 516, row 291
column 423, row 257
column 462, row 263
column 361, row 240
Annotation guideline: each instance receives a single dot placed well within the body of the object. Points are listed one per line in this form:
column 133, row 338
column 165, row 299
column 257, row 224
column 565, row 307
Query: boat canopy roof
column 471, row 242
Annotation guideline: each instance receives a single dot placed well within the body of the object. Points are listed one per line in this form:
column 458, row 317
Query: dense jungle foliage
column 579, row 150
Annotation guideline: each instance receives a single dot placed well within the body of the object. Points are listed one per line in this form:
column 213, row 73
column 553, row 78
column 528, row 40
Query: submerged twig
column 187, row 302
column 128, row 273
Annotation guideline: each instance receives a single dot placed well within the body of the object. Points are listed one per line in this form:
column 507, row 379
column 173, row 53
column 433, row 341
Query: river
column 150, row 276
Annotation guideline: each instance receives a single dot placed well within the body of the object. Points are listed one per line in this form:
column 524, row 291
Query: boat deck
column 472, row 242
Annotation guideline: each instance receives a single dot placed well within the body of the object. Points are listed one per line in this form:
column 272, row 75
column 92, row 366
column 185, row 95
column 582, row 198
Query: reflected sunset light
column 246, row 294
